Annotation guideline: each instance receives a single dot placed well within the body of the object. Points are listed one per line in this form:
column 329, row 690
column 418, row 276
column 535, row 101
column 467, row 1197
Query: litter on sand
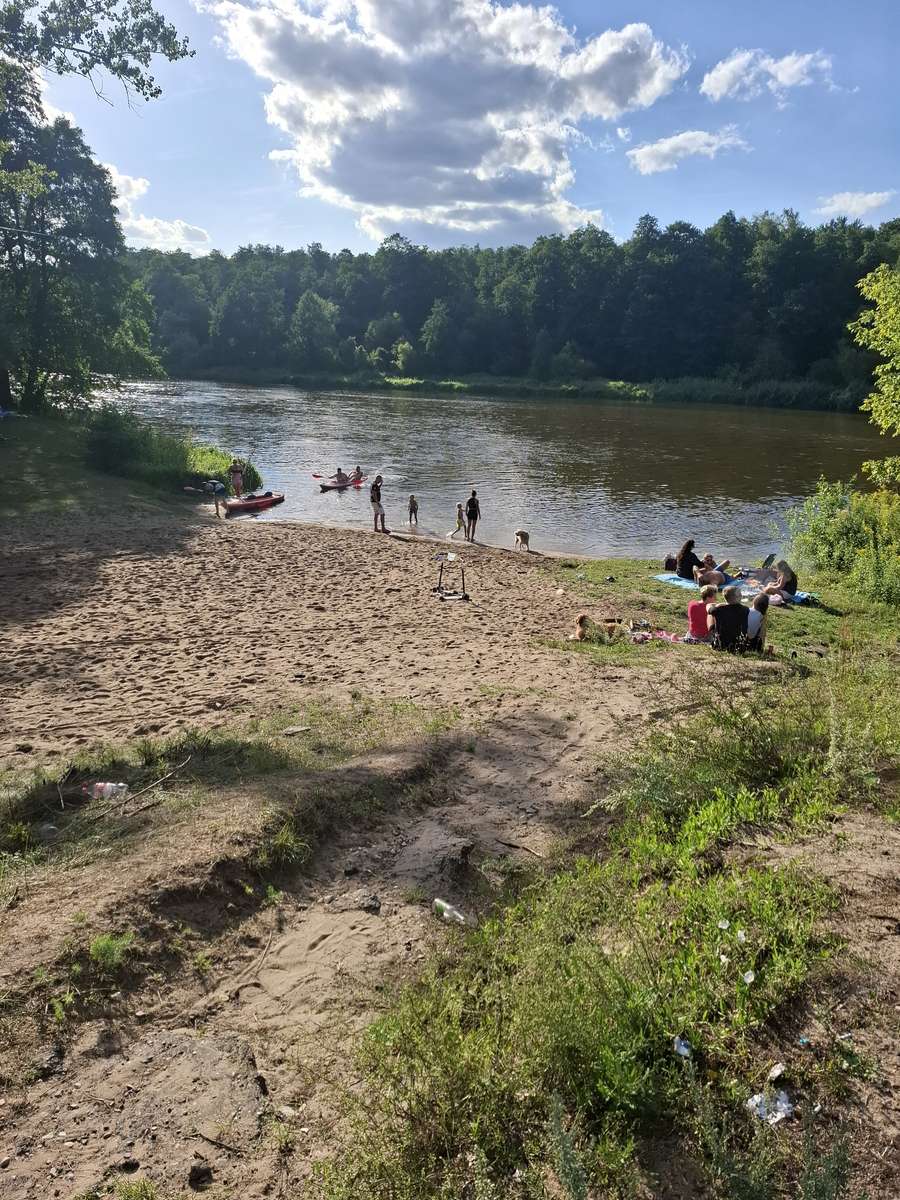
column 776, row 1072
column 293, row 730
column 683, row 1048
column 771, row 1108
column 447, row 912
column 748, row 977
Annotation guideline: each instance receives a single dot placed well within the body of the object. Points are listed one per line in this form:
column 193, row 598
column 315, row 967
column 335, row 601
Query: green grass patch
column 536, row 1057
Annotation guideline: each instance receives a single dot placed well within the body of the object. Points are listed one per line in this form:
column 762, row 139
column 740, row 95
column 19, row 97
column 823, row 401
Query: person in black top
column 728, row 622
column 473, row 512
column 377, row 508
column 785, row 585
column 687, row 560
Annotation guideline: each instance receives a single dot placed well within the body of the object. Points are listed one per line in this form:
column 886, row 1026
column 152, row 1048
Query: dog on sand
column 522, row 540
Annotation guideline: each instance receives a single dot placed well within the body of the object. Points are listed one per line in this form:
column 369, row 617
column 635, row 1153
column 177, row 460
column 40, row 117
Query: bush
column 120, row 443
column 856, row 534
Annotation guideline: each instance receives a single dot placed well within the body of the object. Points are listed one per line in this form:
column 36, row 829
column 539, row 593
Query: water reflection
column 589, row 478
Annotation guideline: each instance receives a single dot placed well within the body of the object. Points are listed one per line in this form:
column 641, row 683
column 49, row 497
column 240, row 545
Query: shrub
column 856, row 534
column 120, row 443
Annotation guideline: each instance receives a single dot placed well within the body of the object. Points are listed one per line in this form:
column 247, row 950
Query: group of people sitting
column 730, row 626
column 733, row 625
column 779, row 582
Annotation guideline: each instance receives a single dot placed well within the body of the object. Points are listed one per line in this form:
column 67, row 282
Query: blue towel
column 748, row 593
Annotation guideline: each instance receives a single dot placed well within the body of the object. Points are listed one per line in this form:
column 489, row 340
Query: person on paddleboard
column 377, row 507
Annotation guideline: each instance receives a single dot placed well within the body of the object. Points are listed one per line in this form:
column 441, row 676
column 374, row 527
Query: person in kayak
column 340, row 477
column 473, row 512
column 377, row 507
column 357, row 474
column 236, row 477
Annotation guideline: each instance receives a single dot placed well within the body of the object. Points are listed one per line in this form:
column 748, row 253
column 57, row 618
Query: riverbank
column 317, row 746
column 774, row 393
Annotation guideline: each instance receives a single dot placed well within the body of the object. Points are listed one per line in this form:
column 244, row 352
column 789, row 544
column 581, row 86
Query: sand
column 120, row 626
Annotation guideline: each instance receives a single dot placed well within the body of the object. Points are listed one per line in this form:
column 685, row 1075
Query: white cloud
column 667, row 153
column 447, row 117
column 152, row 232
column 623, row 133
column 745, row 74
column 851, row 204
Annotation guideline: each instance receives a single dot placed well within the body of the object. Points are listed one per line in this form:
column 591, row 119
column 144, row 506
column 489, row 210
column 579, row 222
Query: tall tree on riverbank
column 69, row 308
column 878, row 329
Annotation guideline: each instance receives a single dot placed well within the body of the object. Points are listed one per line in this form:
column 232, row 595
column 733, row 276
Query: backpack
column 670, row 563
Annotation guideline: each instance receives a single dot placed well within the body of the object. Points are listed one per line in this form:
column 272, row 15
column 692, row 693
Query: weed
column 283, row 1137
column 108, row 951
column 135, row 1189
column 273, row 896
column 202, row 964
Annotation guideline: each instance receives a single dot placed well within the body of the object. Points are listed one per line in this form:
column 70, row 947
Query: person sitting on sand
column 728, row 622
column 756, row 623
column 785, row 584
column 377, row 507
column 460, row 523
column 686, row 560
column 698, row 615
column 236, row 477
column 413, row 510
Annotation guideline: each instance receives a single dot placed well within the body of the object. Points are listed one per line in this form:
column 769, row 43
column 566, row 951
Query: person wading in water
column 473, row 512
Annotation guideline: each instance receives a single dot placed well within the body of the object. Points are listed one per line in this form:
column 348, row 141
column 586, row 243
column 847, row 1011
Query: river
column 582, row 477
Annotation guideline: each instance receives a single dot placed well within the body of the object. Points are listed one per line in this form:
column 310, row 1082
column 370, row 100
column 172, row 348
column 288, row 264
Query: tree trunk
column 5, row 389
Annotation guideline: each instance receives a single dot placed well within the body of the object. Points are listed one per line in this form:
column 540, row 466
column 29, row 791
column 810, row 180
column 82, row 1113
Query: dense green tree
column 69, row 308
column 248, row 320
column 312, row 340
column 437, row 338
column 878, row 329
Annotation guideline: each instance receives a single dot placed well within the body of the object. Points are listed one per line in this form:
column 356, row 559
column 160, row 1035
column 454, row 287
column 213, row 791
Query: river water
column 582, row 477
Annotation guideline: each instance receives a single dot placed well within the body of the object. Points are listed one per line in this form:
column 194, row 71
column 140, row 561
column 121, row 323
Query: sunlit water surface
column 580, row 476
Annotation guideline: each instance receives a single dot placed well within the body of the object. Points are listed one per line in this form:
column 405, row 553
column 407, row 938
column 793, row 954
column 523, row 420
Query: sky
column 489, row 122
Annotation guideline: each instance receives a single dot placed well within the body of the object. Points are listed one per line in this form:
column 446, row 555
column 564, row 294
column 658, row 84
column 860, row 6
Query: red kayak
column 332, row 486
column 249, row 504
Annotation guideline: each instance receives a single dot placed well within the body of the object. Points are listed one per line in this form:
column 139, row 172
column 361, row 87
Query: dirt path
column 117, row 631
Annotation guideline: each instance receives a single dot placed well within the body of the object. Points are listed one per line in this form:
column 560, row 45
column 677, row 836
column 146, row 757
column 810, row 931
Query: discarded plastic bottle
column 441, row 908
column 106, row 791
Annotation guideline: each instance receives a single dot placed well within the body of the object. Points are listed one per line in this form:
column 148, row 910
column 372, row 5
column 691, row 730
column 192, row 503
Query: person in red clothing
column 698, row 614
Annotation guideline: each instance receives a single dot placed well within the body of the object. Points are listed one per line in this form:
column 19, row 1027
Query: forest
column 767, row 298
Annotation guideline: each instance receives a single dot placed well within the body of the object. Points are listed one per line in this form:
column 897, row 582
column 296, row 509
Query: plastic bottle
column 106, row 791
column 441, row 908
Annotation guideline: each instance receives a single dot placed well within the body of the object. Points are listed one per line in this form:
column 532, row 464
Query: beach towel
column 749, row 587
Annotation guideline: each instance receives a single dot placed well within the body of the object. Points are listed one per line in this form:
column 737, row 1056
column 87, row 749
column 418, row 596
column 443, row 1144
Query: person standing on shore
column 460, row 523
column 377, row 507
column 473, row 513
column 236, row 477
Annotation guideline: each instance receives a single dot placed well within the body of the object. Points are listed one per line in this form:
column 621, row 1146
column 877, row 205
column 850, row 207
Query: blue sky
column 471, row 121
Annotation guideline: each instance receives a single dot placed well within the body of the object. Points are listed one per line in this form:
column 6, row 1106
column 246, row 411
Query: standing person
column 377, row 508
column 460, row 523
column 473, row 512
column 236, row 476
column 413, row 510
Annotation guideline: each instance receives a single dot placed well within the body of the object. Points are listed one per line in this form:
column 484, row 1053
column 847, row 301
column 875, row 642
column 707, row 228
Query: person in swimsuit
column 377, row 508
column 357, row 474
column 340, row 477
column 473, row 512
column 413, row 510
column 236, row 477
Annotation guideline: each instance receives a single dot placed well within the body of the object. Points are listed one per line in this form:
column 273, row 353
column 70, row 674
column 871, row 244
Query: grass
column 536, row 1053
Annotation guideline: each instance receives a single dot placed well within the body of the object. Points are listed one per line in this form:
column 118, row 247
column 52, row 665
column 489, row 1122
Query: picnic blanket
column 749, row 587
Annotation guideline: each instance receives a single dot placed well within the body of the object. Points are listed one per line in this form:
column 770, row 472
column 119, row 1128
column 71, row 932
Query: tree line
column 749, row 299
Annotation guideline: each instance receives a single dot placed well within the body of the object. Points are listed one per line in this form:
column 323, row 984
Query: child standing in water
column 413, row 510
column 460, row 523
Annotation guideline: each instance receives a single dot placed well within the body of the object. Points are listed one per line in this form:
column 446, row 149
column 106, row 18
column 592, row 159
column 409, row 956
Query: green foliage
column 122, row 444
column 544, row 1039
column 312, row 339
column 68, row 307
column 108, row 951
column 843, row 531
column 730, row 308
column 135, row 1189
column 878, row 329
column 84, row 36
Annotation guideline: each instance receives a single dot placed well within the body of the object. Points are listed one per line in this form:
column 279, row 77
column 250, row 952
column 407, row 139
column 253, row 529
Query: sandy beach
column 121, row 626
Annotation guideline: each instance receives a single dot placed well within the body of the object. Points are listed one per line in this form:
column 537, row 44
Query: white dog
column 522, row 540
